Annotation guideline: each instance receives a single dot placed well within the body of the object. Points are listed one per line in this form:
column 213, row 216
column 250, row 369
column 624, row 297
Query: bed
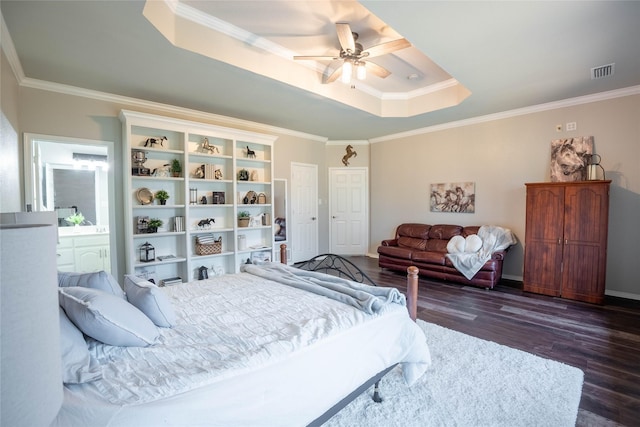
column 274, row 345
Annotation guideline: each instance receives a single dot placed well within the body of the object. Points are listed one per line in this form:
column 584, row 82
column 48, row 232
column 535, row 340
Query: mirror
column 72, row 176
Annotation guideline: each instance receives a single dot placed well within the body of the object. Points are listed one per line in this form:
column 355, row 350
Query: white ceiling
column 508, row 55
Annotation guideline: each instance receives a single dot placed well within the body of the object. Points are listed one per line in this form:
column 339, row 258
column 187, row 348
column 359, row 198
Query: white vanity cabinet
column 84, row 253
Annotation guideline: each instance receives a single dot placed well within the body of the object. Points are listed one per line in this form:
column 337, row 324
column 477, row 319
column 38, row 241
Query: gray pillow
column 149, row 299
column 77, row 365
column 107, row 318
column 99, row 280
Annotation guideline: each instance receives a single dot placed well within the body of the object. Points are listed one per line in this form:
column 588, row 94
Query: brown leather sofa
column 425, row 246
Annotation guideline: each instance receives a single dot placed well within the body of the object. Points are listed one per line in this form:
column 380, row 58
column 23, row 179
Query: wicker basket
column 209, row 248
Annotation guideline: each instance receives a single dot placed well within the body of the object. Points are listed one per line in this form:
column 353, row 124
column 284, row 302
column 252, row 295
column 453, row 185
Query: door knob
column 334, row 217
column 313, row 218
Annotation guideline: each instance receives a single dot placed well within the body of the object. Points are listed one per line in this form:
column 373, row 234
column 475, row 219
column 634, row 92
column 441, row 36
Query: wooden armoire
column 566, row 239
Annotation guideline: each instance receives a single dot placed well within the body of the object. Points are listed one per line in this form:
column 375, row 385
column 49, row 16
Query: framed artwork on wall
column 456, row 197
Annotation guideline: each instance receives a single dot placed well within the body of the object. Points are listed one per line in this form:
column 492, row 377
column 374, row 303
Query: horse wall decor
column 350, row 153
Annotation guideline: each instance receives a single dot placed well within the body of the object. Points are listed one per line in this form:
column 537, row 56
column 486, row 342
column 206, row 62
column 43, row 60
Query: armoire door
column 585, row 242
column 543, row 241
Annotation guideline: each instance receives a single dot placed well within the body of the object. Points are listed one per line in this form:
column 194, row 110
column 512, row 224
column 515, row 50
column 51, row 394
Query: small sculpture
column 212, row 149
column 350, row 153
column 199, row 173
column 163, row 171
column 217, row 174
column 206, row 222
column 150, row 142
column 250, row 153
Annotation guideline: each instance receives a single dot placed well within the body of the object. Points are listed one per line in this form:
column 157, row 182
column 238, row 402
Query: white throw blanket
column 493, row 238
column 370, row 299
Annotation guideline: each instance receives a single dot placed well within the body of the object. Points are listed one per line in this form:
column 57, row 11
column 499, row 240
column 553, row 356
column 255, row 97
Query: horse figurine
column 150, row 142
column 208, row 222
column 350, row 153
column 212, row 149
column 256, row 221
column 250, row 153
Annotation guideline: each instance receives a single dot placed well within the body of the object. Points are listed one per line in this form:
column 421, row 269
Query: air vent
column 602, row 71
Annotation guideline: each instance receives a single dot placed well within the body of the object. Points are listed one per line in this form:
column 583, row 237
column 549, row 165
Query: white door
column 304, row 212
column 349, row 210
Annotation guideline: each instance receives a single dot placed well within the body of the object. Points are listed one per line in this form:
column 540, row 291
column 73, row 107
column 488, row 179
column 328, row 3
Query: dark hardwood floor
column 602, row 340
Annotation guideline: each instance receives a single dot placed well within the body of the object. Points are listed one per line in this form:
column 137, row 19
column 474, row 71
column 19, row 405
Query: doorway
column 304, row 211
column 349, row 211
column 71, row 175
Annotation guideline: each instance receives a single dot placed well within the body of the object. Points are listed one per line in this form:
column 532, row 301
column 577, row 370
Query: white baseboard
column 370, row 255
column 627, row 295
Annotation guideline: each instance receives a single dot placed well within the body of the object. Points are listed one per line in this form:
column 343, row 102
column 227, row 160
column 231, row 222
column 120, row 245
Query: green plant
column 76, row 218
column 243, row 214
column 176, row 168
column 162, row 195
column 154, row 223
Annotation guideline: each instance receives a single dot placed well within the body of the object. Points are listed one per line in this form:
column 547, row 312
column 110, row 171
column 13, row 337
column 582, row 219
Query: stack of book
column 172, row 281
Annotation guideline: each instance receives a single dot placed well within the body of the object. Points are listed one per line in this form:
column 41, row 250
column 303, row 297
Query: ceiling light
column 347, row 69
column 361, row 70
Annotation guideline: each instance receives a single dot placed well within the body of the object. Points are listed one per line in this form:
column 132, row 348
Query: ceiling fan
column 352, row 56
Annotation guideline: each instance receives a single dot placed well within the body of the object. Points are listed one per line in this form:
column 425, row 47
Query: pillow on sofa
column 76, row 360
column 107, row 318
column 149, row 299
column 473, row 243
column 458, row 244
column 100, row 280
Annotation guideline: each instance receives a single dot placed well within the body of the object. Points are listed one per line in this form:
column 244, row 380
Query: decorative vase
column 76, row 228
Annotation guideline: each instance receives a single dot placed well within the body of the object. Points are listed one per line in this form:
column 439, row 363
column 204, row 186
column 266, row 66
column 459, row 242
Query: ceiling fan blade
column 335, row 74
column 388, row 47
column 377, row 70
column 315, row 58
column 345, row 37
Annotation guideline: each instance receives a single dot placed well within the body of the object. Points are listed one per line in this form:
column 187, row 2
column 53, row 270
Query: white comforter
column 230, row 328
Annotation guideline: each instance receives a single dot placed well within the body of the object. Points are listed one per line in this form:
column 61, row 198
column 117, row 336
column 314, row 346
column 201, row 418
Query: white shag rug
column 472, row 382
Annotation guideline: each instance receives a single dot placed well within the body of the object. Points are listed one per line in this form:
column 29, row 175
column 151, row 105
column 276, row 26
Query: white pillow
column 99, row 280
column 473, row 243
column 107, row 318
column 456, row 245
column 150, row 300
column 77, row 365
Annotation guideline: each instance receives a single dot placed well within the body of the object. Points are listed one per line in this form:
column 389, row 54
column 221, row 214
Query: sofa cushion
column 444, row 231
column 429, row 257
column 411, row 243
column 417, row 231
column 436, row 245
column 395, row 251
column 469, row 230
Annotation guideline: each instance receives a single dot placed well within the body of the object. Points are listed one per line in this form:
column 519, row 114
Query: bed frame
column 342, row 267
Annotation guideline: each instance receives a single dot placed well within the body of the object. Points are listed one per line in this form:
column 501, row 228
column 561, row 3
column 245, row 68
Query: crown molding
column 164, row 108
column 570, row 102
column 6, row 42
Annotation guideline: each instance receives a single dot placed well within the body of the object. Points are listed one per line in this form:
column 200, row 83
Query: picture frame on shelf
column 218, row 197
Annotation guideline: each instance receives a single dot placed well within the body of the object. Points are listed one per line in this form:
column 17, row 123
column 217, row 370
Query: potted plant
column 162, row 195
column 76, row 219
column 176, row 168
column 243, row 219
column 153, row 225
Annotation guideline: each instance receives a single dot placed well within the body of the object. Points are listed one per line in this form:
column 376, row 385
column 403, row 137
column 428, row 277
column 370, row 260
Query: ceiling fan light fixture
column 347, row 70
column 361, row 70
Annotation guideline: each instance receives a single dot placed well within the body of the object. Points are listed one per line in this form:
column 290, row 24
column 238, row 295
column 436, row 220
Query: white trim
column 618, row 294
column 347, row 141
column 6, row 42
column 601, row 96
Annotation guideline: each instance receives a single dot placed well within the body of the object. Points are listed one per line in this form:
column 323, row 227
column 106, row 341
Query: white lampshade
column 347, row 69
column 31, row 383
column 361, row 71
